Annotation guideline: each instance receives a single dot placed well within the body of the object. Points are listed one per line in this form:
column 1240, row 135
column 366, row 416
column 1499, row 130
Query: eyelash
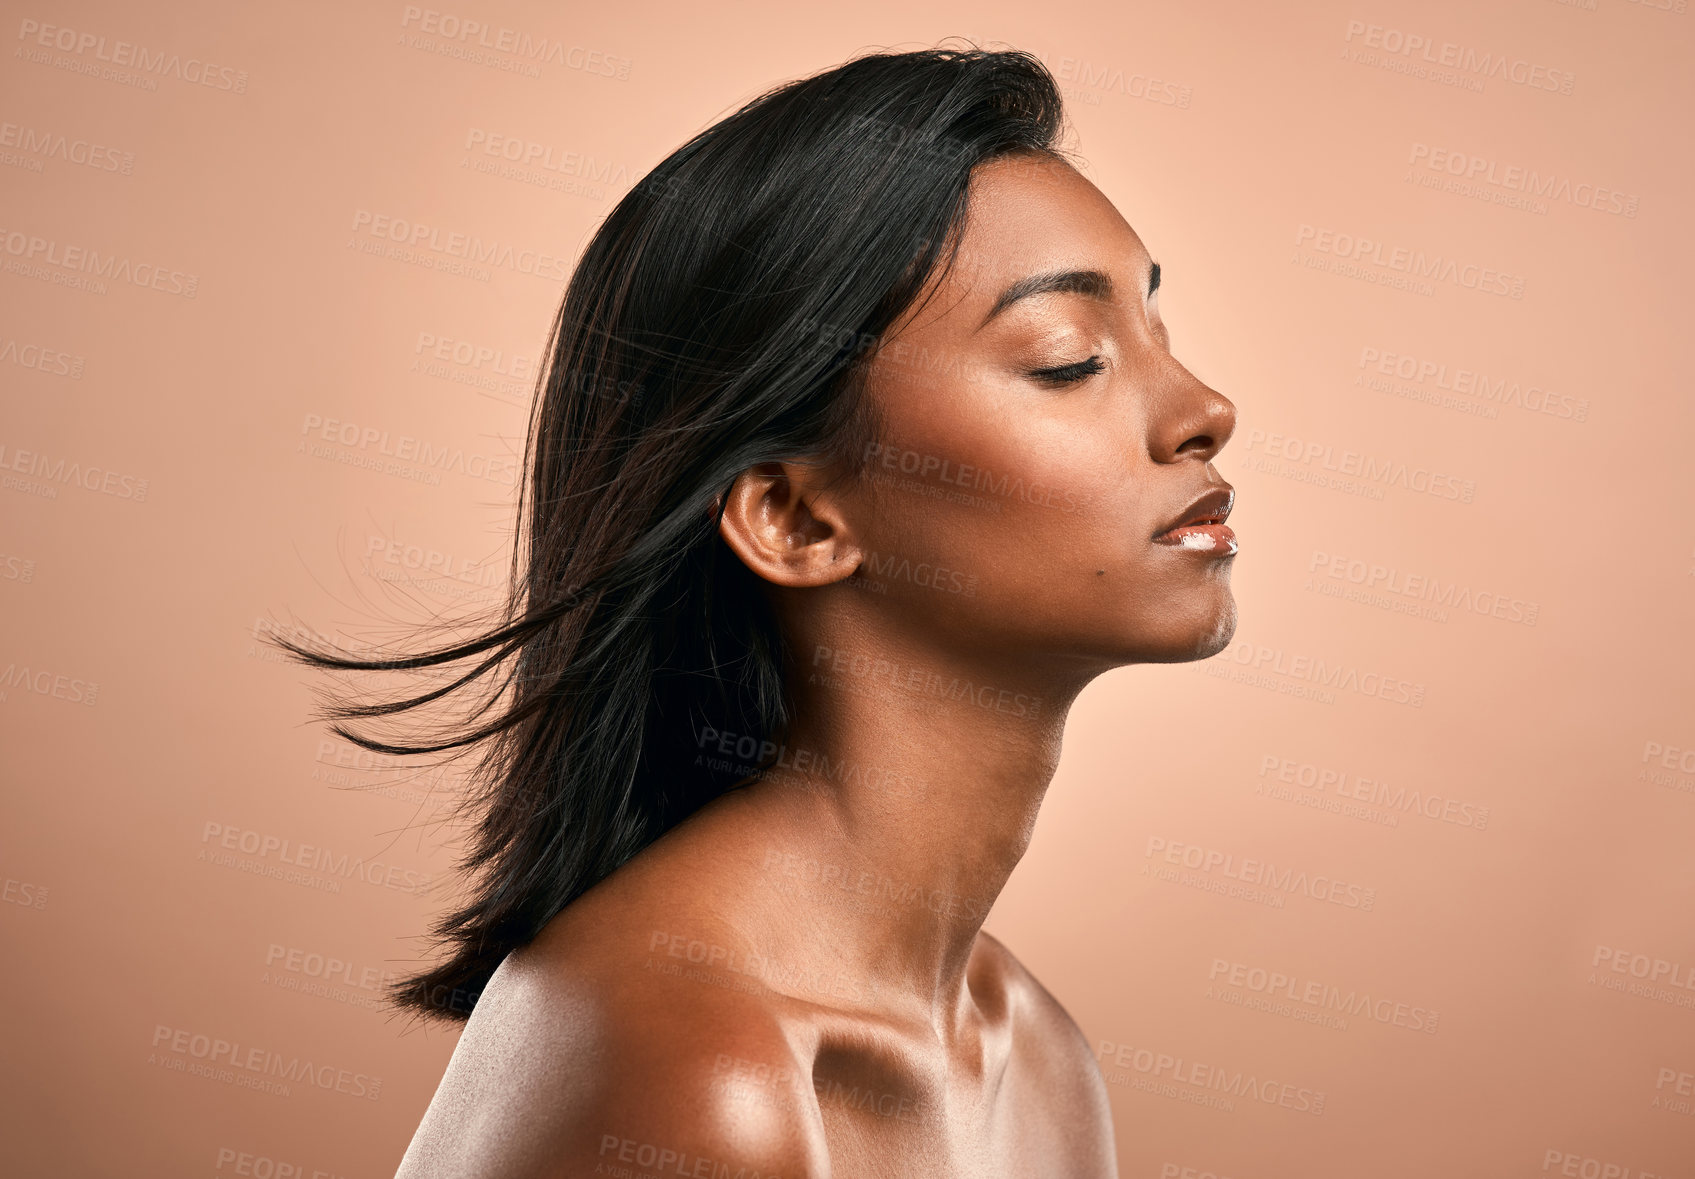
column 1071, row 373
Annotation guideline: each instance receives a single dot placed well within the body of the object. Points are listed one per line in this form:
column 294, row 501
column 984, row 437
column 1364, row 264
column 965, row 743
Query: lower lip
column 1201, row 538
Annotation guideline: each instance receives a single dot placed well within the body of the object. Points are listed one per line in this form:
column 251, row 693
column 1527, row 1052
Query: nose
column 1191, row 420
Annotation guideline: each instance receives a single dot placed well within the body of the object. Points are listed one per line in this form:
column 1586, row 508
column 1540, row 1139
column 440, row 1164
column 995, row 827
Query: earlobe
column 786, row 529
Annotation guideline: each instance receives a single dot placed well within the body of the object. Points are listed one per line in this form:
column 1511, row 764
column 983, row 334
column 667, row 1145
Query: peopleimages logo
column 514, row 149
column 1421, row 52
column 1470, row 382
column 253, row 1067
column 1259, row 873
column 473, row 41
column 55, row 145
column 1119, row 1061
column 426, row 241
column 1274, row 984
column 1371, row 472
column 1312, row 779
column 1316, row 670
column 47, row 473
column 272, row 855
column 327, row 967
column 157, row 63
column 915, row 469
column 855, row 671
column 51, row 361
column 1414, row 264
column 1421, row 587
column 1517, row 178
column 87, row 268
column 374, row 447
column 1112, row 79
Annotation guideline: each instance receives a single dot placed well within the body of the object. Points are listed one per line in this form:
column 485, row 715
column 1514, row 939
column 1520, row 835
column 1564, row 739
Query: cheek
column 1012, row 486
column 1011, row 452
column 1072, row 496
column 1016, row 520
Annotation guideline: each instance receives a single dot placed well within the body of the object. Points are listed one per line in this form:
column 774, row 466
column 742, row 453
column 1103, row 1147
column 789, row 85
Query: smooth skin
column 794, row 981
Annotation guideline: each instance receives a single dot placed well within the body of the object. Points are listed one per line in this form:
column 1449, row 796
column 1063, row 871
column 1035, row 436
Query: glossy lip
column 1210, row 507
column 1201, row 538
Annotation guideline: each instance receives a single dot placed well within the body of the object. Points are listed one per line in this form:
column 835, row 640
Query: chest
column 900, row 1120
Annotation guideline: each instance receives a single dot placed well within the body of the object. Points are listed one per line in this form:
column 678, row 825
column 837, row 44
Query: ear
column 786, row 528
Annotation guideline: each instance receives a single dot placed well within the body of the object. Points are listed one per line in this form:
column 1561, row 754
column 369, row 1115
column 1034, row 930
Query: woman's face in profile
column 1039, row 445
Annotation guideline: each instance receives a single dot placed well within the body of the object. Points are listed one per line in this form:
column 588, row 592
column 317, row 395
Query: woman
column 861, row 451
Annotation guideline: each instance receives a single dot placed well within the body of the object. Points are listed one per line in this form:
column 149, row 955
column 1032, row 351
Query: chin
column 1194, row 638
column 1219, row 636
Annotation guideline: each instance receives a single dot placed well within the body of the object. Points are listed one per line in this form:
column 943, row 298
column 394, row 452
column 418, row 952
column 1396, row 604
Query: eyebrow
column 1096, row 284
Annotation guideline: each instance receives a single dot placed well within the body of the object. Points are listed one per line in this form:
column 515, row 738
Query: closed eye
column 1070, row 373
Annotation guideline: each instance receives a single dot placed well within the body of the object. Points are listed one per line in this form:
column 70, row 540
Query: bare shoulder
column 595, row 1071
column 1059, row 1059
column 1036, row 1011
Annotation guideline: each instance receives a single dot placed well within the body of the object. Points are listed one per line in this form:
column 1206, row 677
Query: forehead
column 1029, row 213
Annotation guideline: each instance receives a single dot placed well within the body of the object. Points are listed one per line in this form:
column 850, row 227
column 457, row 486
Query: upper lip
column 1212, row 506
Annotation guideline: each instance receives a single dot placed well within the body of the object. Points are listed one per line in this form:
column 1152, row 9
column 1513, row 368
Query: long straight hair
column 721, row 316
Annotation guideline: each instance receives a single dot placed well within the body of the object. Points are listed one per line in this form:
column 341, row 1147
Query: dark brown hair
column 717, row 320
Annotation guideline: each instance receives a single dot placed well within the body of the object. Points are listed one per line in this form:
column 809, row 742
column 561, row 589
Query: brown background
column 182, row 470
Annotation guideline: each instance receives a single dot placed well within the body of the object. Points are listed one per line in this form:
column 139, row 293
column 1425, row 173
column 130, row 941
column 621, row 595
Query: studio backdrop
column 1398, row 884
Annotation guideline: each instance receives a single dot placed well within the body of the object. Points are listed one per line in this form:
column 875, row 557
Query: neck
column 905, row 792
